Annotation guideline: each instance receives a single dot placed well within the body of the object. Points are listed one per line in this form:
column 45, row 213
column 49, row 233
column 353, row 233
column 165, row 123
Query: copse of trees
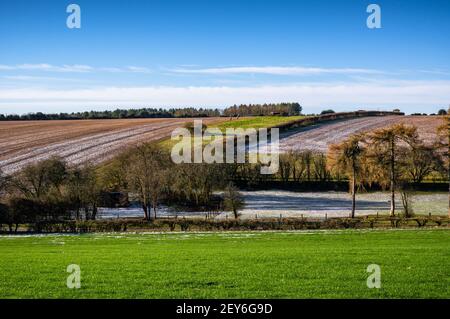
column 303, row 165
column 393, row 157
column 50, row 191
column 147, row 173
column 287, row 109
column 147, row 176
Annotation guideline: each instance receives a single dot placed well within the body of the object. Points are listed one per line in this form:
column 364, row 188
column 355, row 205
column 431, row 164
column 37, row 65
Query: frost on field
column 18, row 150
column 319, row 137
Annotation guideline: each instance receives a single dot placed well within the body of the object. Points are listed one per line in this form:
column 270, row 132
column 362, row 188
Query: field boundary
column 213, row 225
column 311, row 120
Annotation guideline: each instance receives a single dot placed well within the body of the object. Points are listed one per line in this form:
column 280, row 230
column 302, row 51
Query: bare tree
column 146, row 175
column 196, row 182
column 321, row 172
column 233, row 200
column 420, row 161
column 406, row 197
column 39, row 180
column 307, row 159
column 83, row 191
column 286, row 167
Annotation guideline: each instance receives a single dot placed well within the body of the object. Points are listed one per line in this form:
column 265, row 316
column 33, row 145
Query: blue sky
column 216, row 53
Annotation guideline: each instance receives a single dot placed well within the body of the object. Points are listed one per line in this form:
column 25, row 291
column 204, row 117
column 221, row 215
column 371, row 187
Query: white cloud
column 41, row 67
column 138, row 69
column 6, row 67
column 32, row 78
column 426, row 96
column 277, row 70
column 111, row 69
column 75, row 68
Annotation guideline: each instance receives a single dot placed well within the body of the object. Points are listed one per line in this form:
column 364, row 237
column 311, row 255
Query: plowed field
column 319, row 137
column 78, row 141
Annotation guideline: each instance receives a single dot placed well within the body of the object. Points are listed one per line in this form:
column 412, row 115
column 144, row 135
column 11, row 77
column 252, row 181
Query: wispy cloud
column 32, row 78
column 138, row 69
column 426, row 96
column 6, row 67
column 276, row 70
column 435, row 72
column 52, row 68
column 75, row 68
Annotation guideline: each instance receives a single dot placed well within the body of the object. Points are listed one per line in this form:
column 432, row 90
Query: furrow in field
column 94, row 148
column 319, row 137
column 19, row 138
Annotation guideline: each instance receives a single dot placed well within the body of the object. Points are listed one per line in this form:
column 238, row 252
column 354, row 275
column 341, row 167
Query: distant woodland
column 286, row 109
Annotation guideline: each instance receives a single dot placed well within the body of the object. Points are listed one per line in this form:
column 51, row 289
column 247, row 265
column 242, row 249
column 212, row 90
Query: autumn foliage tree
column 347, row 158
column 442, row 147
column 386, row 155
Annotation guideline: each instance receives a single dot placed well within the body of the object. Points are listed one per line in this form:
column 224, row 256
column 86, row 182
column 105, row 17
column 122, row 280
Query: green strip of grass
column 258, row 122
column 324, row 264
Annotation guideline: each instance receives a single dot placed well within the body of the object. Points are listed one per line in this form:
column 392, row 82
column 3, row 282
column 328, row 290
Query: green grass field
column 257, row 122
column 320, row 264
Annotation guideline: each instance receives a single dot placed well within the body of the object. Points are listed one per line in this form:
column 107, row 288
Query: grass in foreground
column 323, row 264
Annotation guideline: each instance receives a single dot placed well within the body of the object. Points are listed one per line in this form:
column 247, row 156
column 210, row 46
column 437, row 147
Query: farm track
column 77, row 141
column 318, row 137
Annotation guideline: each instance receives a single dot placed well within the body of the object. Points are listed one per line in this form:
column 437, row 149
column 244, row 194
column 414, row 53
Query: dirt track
column 319, row 137
column 22, row 143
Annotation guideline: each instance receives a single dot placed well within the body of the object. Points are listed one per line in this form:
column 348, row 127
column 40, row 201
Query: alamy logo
column 74, row 19
column 374, row 279
column 374, row 19
column 258, row 149
column 74, row 279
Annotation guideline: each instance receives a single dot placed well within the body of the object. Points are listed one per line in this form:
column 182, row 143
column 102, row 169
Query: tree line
column 392, row 157
column 51, row 191
column 117, row 114
column 242, row 110
column 287, row 109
